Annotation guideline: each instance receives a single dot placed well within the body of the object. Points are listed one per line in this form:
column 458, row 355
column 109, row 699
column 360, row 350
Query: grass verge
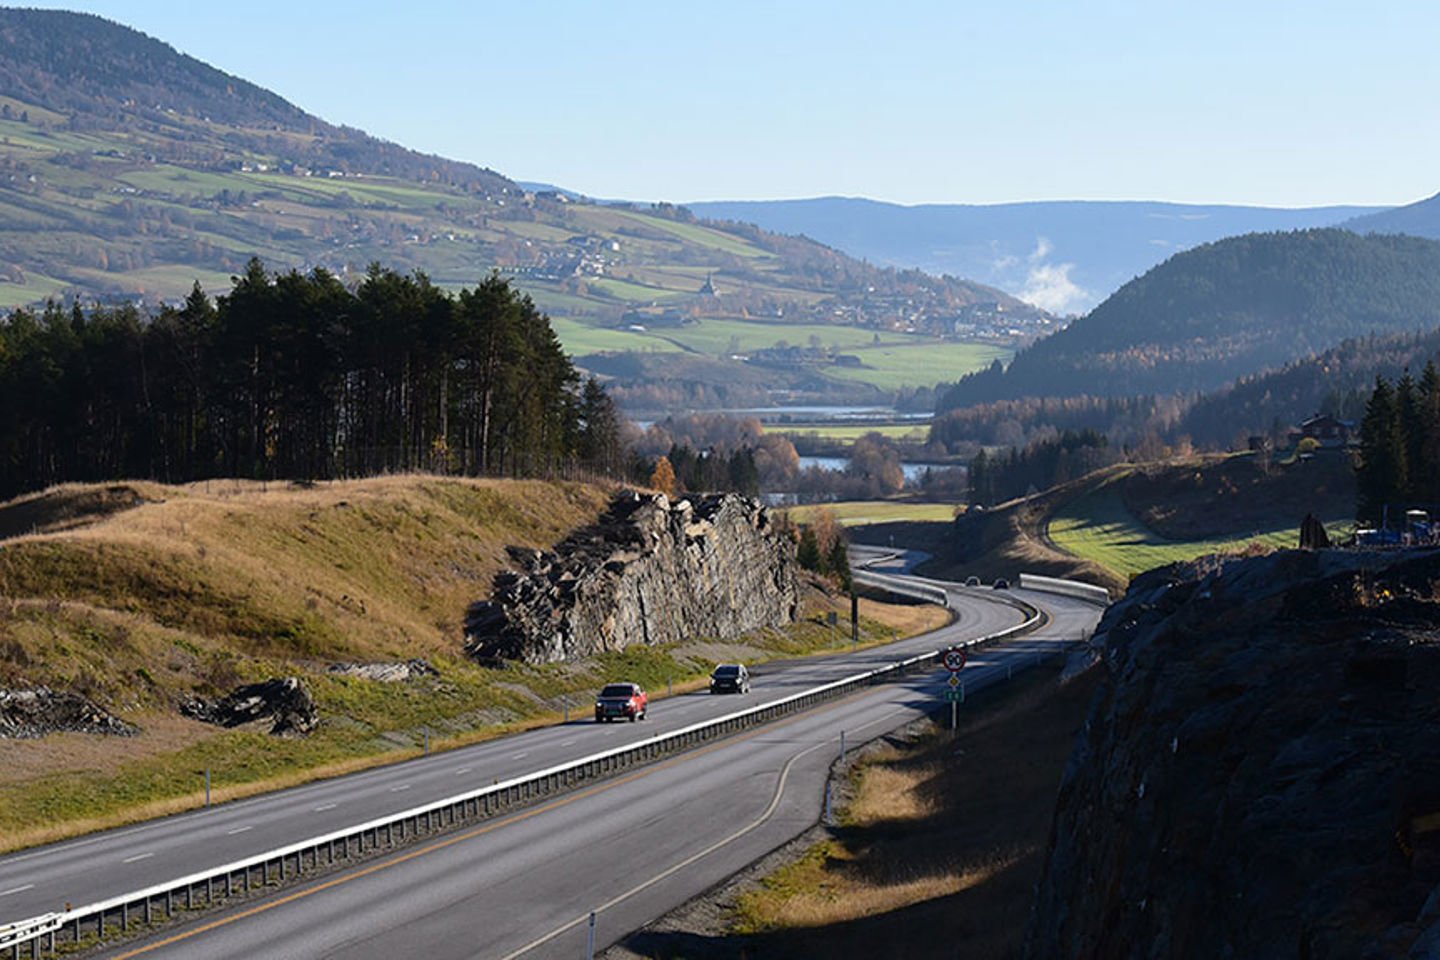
column 940, row 843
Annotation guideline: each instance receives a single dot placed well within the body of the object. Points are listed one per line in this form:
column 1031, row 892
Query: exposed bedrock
column 649, row 572
column 27, row 714
column 285, row 702
column 1259, row 775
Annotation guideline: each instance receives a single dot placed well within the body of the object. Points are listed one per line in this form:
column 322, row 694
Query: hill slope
column 128, row 169
column 1419, row 219
column 1063, row 256
column 141, row 596
column 1226, row 310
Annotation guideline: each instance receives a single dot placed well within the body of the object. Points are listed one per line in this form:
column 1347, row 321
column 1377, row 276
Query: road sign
column 954, row 681
column 954, row 659
column 954, row 696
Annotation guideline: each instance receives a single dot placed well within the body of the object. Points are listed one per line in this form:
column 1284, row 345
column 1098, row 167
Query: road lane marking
column 526, row 815
column 326, row 806
column 6, row 893
column 519, row 756
column 138, row 856
column 462, row 770
column 567, row 743
column 403, row 786
column 231, row 833
column 470, row 835
column 666, row 874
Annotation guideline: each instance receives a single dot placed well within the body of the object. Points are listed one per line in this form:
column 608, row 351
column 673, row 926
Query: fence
column 116, row 916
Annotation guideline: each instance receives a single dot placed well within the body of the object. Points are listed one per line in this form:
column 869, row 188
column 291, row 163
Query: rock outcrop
column 395, row 672
column 649, row 572
column 1260, row 773
column 286, row 703
column 29, row 714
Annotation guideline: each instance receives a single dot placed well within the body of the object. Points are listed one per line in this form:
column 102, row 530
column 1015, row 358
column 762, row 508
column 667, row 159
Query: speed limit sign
column 954, row 659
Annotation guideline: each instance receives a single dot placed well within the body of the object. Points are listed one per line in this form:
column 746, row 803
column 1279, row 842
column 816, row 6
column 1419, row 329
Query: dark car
column 730, row 678
column 1002, row 584
column 619, row 700
column 972, row 581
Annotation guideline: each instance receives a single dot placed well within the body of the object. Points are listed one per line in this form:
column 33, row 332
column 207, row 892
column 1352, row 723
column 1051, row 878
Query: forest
column 1399, row 466
column 297, row 376
column 1224, row 310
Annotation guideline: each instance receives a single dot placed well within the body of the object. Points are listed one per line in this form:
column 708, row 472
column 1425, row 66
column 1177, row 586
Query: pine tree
column 1381, row 475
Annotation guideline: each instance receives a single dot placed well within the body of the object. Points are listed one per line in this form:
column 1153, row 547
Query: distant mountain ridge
column 1224, row 310
column 1419, row 219
column 104, row 76
column 1063, row 256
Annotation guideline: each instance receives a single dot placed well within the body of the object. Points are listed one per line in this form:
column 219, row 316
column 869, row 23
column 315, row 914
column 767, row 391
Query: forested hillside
column 295, row 376
column 1225, row 310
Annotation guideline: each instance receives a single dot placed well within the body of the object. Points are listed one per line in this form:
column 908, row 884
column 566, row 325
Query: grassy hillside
column 1114, row 523
column 128, row 169
column 140, row 595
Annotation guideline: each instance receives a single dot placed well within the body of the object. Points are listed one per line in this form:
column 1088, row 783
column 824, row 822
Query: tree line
column 297, row 376
column 1399, row 465
column 995, row 478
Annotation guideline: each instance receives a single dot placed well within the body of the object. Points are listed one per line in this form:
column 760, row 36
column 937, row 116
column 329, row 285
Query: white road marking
column 231, row 833
column 462, row 770
column 403, row 786
column 519, row 756
column 620, row 898
column 567, row 743
column 327, row 806
column 138, row 856
column 6, row 893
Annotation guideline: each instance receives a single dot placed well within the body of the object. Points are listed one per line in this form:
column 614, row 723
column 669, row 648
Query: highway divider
column 1069, row 588
column 120, row 915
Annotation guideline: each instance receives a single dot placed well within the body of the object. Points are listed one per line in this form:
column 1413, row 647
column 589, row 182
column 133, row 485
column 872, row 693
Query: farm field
column 1098, row 527
column 925, row 364
column 855, row 513
column 916, row 431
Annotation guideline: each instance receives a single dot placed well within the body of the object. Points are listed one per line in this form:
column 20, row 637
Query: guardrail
column 901, row 586
column 1069, row 588
column 96, row 922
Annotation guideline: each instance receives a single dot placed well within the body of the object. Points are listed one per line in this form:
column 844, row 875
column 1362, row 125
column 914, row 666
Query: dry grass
column 940, row 845
column 140, row 595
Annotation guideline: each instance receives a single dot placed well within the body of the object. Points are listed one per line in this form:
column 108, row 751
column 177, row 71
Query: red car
column 621, row 700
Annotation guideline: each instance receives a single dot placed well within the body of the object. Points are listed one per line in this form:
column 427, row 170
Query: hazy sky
column 1262, row 101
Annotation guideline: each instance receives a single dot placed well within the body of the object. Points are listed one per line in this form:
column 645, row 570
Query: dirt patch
column 62, row 753
column 949, row 869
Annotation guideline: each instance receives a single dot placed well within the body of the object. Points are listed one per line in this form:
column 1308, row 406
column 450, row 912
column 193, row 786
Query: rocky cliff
column 1260, row 773
column 650, row 571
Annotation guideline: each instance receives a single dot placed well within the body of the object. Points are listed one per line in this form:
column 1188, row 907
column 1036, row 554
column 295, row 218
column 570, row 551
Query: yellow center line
column 449, row 841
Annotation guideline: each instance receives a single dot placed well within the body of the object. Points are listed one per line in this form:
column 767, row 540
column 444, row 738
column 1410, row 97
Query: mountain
column 1420, row 219
column 1225, row 310
column 1062, row 256
column 128, row 169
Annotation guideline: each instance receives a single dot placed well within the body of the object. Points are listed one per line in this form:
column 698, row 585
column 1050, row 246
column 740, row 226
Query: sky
column 1268, row 102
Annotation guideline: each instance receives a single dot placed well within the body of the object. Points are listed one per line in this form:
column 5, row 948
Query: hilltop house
column 1330, row 432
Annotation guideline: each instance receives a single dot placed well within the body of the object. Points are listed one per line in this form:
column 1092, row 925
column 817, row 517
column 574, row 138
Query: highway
column 106, row 864
column 630, row 849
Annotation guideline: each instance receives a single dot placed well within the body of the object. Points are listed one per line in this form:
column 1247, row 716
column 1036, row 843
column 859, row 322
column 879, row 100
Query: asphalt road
column 107, row 864
column 630, row 849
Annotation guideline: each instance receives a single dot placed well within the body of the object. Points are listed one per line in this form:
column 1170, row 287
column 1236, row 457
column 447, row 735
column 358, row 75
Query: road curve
column 629, row 849
column 102, row 865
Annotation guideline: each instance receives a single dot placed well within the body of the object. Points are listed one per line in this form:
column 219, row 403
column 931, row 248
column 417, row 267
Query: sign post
column 953, row 660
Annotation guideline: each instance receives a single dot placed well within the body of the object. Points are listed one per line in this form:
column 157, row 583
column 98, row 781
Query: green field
column 849, row 433
column 924, row 364
column 580, row 339
column 858, row 513
column 1098, row 527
